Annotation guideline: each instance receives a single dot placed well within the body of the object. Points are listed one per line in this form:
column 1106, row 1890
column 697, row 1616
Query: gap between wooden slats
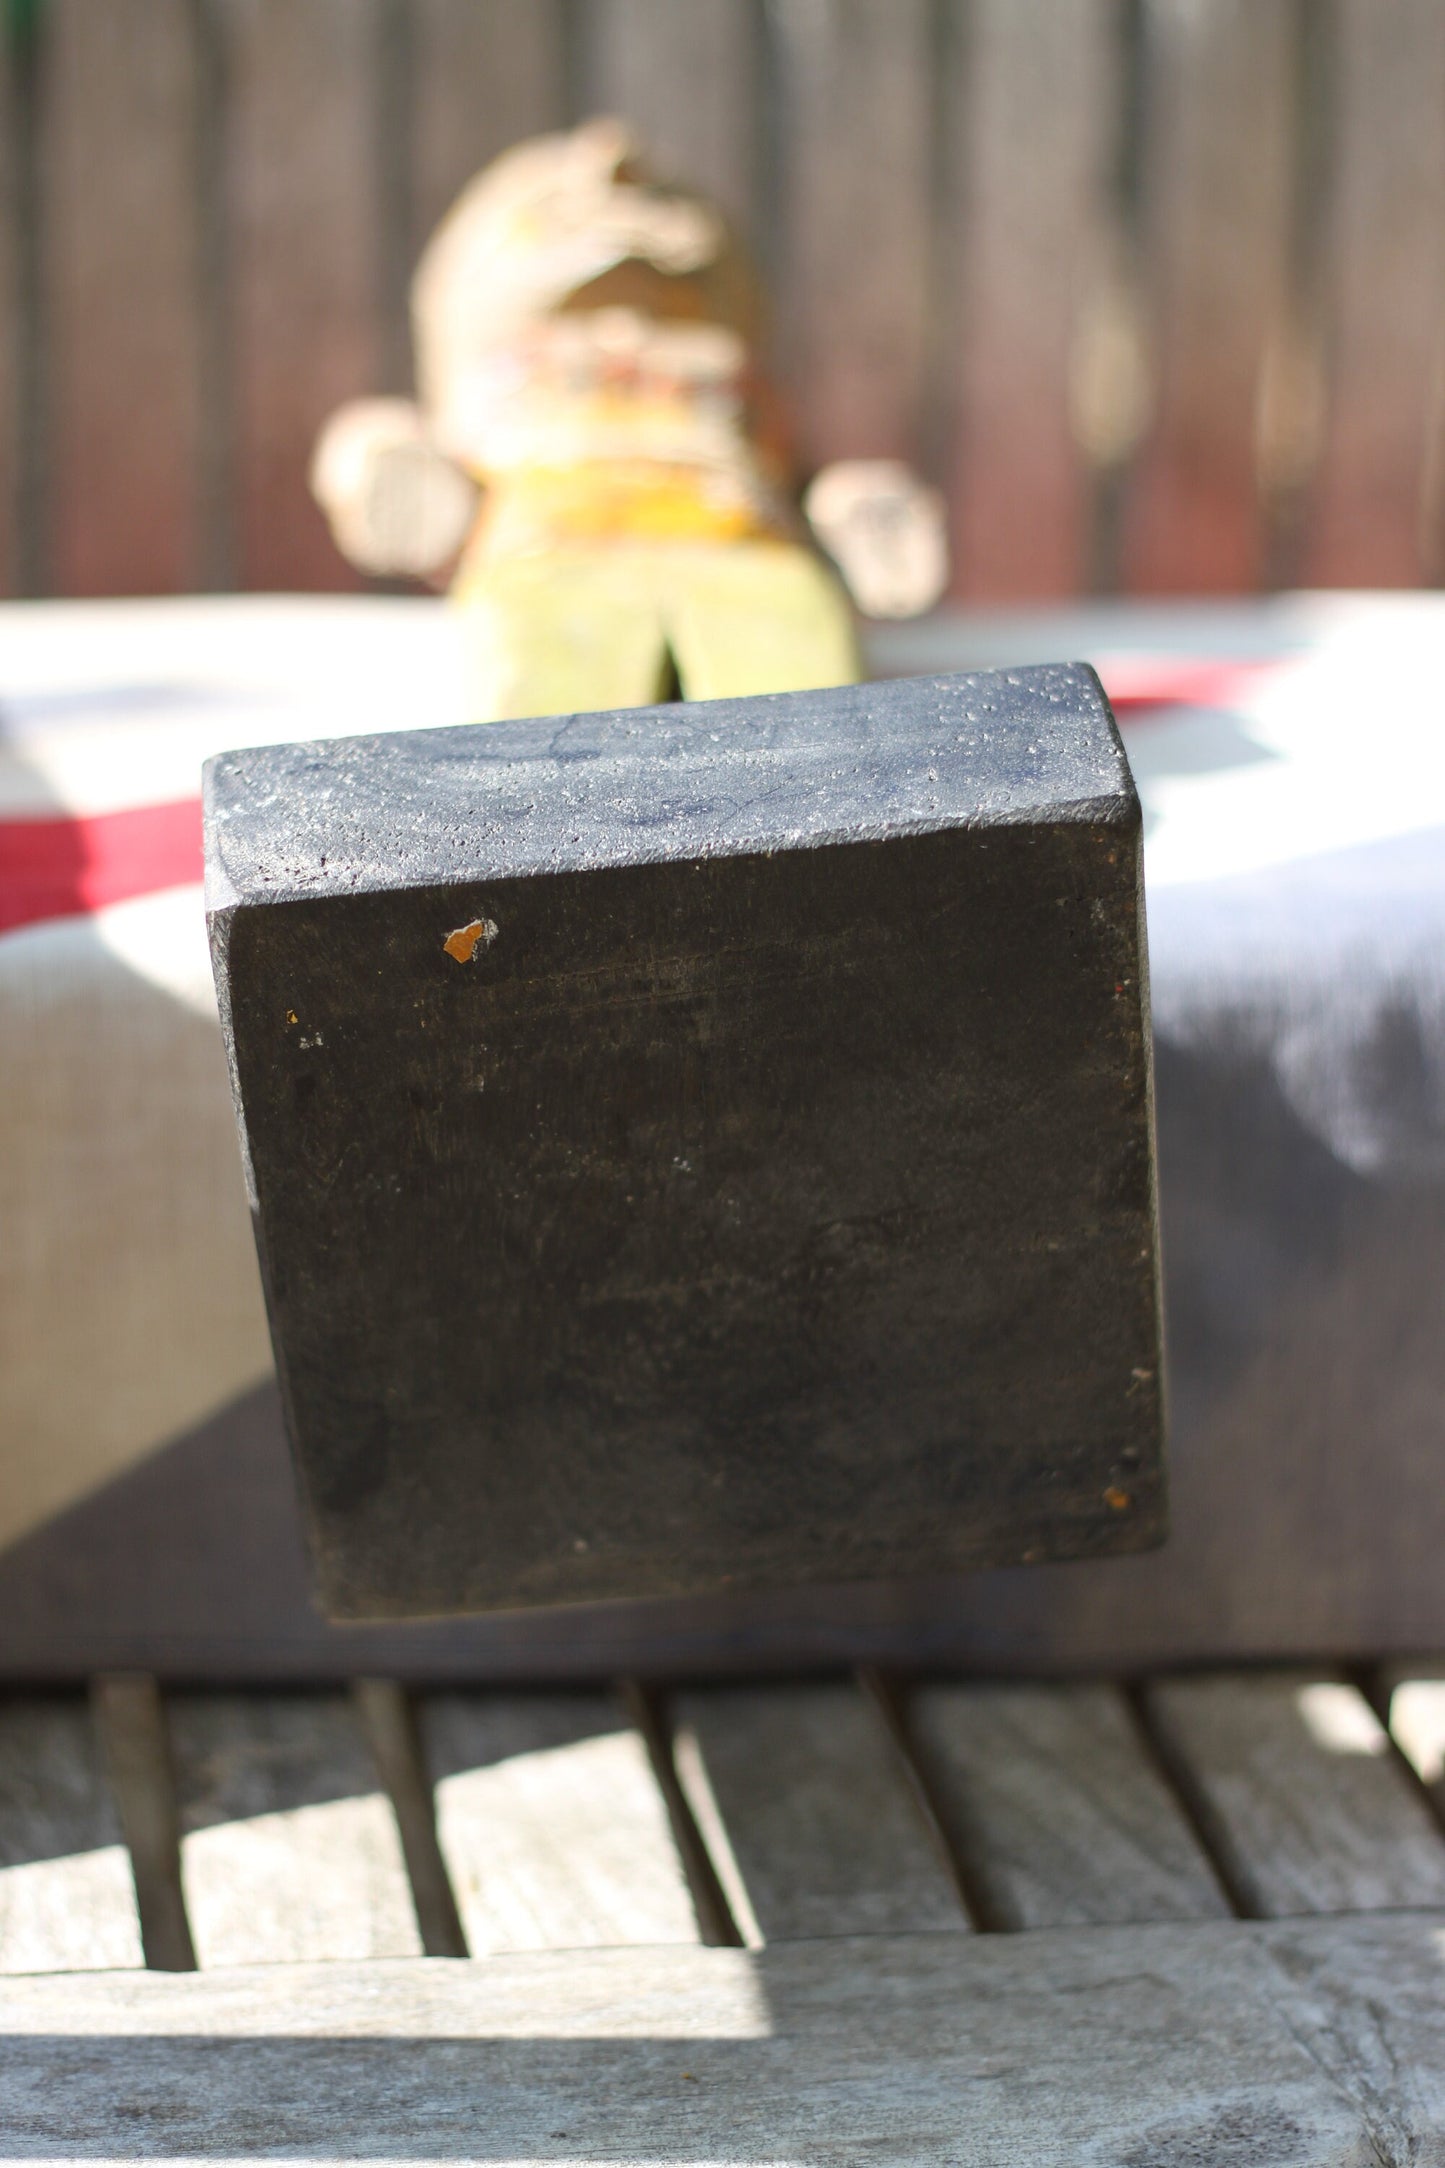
column 1377, row 510
column 1219, row 118
column 1057, row 1812
column 717, row 1927
column 22, row 351
column 1037, row 345
column 854, row 93
column 305, row 263
column 120, row 296
column 289, row 1850
column 67, row 1900
column 812, row 1829
column 1411, row 1699
column 1291, row 1780
column 388, row 1720
column 553, row 1829
column 131, row 1721
column 11, row 186
column 483, row 75
column 686, row 79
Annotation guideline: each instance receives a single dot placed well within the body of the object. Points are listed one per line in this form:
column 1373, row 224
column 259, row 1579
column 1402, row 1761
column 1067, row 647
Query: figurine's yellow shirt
column 546, row 507
column 565, row 457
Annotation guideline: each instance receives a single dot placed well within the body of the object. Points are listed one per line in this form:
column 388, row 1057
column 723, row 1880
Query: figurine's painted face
column 601, row 383
column 569, row 303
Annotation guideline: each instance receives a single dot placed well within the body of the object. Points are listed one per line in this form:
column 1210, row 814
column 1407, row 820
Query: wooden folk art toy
column 595, row 452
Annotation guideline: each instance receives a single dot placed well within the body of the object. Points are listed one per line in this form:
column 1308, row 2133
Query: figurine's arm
column 884, row 529
column 395, row 503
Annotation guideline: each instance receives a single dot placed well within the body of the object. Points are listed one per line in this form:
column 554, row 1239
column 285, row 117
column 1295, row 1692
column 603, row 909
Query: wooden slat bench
column 1233, row 1886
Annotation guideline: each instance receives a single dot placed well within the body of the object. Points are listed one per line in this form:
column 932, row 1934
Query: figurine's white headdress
column 543, row 221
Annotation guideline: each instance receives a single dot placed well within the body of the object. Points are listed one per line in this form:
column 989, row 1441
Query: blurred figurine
column 592, row 438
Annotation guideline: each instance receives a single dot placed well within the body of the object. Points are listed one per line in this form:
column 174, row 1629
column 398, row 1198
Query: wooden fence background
column 1155, row 288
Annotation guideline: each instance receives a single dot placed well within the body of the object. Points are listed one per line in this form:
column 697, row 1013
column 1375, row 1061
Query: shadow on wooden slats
column 289, row 1850
column 1292, row 1783
column 1056, row 1809
column 305, row 263
column 67, row 1902
column 799, row 1793
column 554, row 1833
column 850, row 286
column 685, row 78
column 1381, row 484
column 1219, row 112
column 484, row 74
column 120, row 296
column 1032, row 113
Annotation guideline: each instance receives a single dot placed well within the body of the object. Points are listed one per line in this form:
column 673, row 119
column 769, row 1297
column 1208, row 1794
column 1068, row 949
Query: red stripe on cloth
column 65, row 868
column 1149, row 681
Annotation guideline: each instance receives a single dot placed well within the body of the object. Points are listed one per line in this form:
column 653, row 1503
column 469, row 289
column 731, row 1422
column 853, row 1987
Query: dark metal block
column 702, row 1146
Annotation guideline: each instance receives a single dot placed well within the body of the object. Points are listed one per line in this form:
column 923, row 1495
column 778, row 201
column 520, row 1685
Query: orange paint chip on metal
column 464, row 942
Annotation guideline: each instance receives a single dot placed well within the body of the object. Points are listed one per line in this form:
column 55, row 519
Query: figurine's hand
column 394, row 502
column 884, row 529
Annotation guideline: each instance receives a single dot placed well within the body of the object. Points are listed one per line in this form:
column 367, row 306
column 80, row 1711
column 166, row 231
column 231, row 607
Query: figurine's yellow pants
column 596, row 625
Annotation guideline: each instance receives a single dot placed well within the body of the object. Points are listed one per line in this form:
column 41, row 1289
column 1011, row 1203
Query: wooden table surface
column 1195, row 1918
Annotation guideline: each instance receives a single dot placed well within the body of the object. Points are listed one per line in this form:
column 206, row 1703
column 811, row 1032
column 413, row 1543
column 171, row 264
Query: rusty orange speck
column 462, row 943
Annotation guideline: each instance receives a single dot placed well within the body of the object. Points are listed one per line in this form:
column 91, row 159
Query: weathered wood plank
column 1320, row 2043
column 1030, row 104
column 288, row 1849
column 305, row 264
column 485, row 73
column 67, row 1902
column 1294, row 1787
column 799, row 1793
column 685, row 79
column 118, row 157
column 1055, row 1809
column 851, row 279
column 132, row 1727
column 552, row 1828
column 1385, row 290
column 1217, row 196
column 1414, row 1697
